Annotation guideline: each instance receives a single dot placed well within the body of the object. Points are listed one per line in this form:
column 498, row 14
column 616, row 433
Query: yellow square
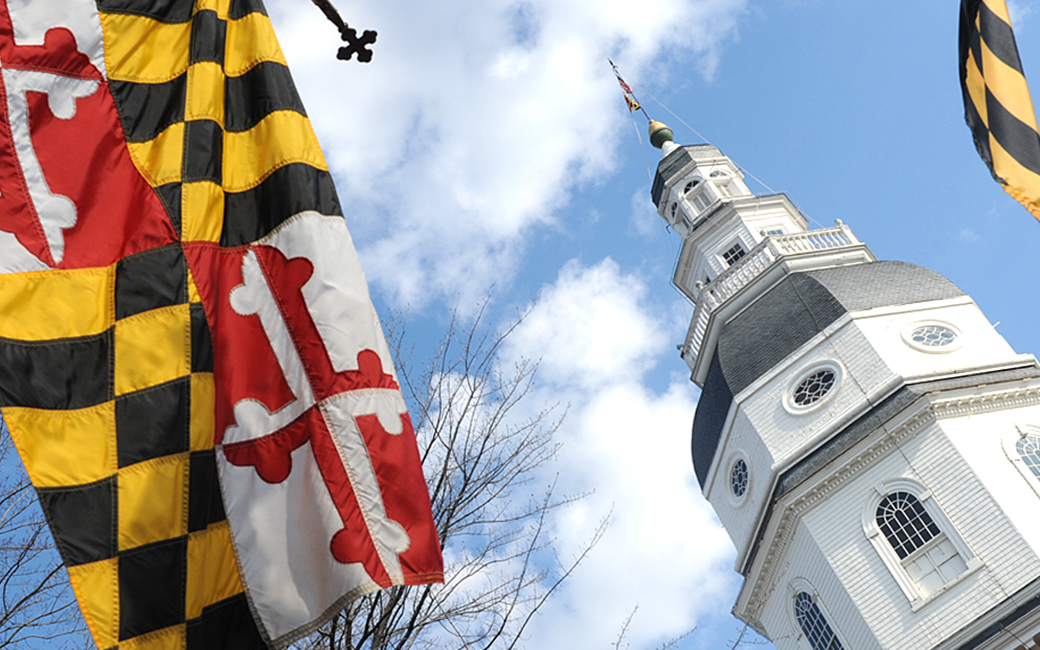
column 202, row 211
column 250, row 40
column 61, row 448
column 212, row 570
column 205, row 98
column 222, row 7
column 63, row 304
column 146, row 50
column 153, row 501
column 159, row 160
column 152, row 348
column 202, row 396
column 170, row 638
column 96, row 586
column 193, row 289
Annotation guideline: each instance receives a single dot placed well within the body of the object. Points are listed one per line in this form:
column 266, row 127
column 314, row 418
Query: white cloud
column 589, row 329
column 475, row 121
column 462, row 140
column 644, row 217
column 664, row 549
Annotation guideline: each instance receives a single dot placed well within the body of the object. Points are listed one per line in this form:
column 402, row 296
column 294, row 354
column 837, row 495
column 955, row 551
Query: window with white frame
column 918, row 542
column 1028, row 448
column 814, row 625
column 1021, row 444
column 733, row 253
column 701, row 201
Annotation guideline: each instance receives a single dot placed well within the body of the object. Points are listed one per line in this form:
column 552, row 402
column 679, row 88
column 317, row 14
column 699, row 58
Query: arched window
column 814, row 625
column 905, row 524
column 1028, row 448
column 927, row 554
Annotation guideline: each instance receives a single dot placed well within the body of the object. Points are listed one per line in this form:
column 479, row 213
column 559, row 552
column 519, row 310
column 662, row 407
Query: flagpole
column 630, row 95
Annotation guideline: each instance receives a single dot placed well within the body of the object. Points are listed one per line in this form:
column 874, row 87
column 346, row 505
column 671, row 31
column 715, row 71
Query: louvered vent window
column 927, row 555
column 814, row 625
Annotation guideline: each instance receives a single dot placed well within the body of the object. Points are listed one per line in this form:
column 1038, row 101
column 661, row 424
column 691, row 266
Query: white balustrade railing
column 749, row 267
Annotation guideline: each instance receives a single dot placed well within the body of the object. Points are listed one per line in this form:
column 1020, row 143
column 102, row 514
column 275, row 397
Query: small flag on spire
column 617, row 73
column 630, row 96
column 997, row 104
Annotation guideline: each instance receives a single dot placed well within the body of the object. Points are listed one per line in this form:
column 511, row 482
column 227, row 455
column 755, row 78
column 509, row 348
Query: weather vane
column 355, row 44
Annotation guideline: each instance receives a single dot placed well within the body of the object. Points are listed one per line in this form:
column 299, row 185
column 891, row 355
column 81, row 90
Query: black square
column 208, row 36
column 201, row 342
column 83, row 520
column 204, row 148
column 288, row 191
column 166, row 11
column 242, row 8
column 146, row 110
column 59, row 375
column 170, row 195
column 151, row 280
column 153, row 423
column 151, row 587
column 227, row 625
column 205, row 505
column 250, row 97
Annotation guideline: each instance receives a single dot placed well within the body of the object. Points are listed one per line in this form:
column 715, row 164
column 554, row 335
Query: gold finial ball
column 659, row 133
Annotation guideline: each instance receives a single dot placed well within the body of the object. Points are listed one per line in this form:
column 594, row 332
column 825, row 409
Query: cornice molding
column 928, row 409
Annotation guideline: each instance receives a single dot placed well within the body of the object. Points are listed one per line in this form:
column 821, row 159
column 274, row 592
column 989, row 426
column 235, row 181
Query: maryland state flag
column 182, row 314
column 997, row 104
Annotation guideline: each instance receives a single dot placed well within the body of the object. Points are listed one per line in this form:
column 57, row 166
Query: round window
column 738, row 478
column 690, row 186
column 814, row 386
column 812, row 389
column 932, row 337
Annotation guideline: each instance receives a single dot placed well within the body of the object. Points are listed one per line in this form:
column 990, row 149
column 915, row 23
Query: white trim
column 888, row 555
column 762, row 575
column 956, row 344
column 807, row 371
column 801, row 585
column 1008, row 441
column 734, row 457
column 737, row 240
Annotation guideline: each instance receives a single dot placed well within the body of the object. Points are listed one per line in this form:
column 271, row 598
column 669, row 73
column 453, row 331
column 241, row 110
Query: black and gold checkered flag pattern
column 108, row 390
column 997, row 104
column 115, row 428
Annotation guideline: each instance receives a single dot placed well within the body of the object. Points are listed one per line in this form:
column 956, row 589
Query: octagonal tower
column 868, row 440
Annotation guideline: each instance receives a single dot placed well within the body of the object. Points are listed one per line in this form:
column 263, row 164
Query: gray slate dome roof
column 779, row 322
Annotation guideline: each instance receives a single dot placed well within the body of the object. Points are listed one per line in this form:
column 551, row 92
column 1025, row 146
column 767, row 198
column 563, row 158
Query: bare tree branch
column 482, row 448
column 37, row 607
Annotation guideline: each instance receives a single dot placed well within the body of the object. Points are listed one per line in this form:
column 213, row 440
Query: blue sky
column 487, row 149
column 489, row 146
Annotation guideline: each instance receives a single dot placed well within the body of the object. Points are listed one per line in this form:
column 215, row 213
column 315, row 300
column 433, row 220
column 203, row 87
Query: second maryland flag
column 183, row 315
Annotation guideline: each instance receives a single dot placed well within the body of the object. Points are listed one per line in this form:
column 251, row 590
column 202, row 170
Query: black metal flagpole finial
column 355, row 44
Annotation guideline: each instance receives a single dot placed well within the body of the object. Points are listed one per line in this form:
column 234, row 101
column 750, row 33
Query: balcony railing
column 749, row 267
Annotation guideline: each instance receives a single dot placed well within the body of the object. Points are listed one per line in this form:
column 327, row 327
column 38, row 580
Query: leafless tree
column 481, row 457
column 37, row 608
